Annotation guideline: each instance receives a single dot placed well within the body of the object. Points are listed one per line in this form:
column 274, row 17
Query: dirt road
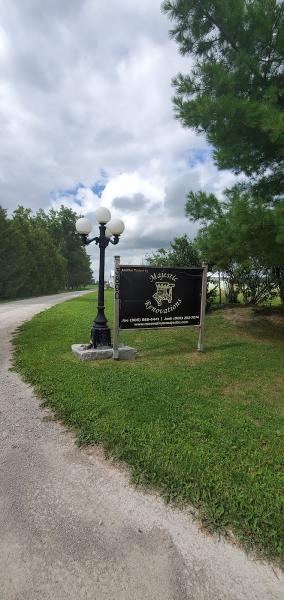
column 73, row 528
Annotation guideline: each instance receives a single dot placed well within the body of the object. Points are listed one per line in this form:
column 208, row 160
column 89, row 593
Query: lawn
column 206, row 430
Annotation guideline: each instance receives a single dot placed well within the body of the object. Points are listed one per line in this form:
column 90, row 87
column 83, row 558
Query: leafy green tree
column 61, row 227
column 256, row 283
column 242, row 237
column 235, row 91
column 44, row 267
column 181, row 253
column 246, row 225
column 12, row 258
column 40, row 254
column 235, row 95
column 30, row 263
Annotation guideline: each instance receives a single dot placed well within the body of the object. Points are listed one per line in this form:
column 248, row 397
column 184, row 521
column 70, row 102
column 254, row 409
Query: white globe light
column 84, row 226
column 102, row 215
column 116, row 226
column 108, row 233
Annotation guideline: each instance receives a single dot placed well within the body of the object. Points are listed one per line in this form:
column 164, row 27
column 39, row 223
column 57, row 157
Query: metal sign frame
column 200, row 326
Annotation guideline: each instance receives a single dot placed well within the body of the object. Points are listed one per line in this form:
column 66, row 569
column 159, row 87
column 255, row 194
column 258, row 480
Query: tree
column 40, row 254
column 242, row 237
column 182, row 253
column 235, row 92
column 36, row 265
column 12, row 258
column 240, row 226
column 60, row 225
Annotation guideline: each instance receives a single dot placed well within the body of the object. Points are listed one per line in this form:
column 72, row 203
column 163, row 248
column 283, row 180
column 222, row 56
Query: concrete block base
column 83, row 352
column 125, row 353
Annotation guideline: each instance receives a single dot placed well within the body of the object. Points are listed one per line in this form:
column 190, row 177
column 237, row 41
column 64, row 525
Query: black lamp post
column 100, row 332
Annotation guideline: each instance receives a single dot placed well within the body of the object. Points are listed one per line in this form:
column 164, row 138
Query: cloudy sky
column 86, row 118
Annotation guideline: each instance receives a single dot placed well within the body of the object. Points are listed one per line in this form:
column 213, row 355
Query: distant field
column 204, row 429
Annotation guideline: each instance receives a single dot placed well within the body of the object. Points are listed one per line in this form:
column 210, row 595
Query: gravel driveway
column 72, row 527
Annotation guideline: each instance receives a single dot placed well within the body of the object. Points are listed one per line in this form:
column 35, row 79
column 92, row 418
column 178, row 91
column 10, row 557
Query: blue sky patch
column 199, row 156
column 98, row 188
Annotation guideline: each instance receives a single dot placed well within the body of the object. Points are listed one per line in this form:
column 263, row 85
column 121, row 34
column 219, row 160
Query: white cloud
column 153, row 212
column 85, row 96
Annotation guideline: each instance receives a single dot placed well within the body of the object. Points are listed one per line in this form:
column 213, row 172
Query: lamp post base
column 100, row 336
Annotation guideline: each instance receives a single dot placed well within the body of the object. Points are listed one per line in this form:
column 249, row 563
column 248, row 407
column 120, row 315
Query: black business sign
column 158, row 297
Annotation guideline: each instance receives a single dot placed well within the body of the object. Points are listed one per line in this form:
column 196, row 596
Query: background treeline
column 41, row 253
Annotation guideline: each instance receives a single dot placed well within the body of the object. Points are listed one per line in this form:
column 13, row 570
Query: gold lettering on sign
column 162, row 311
column 163, row 296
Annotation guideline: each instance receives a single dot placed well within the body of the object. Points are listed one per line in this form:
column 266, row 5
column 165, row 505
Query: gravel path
column 72, row 527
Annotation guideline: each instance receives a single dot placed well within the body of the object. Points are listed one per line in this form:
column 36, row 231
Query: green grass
column 204, row 429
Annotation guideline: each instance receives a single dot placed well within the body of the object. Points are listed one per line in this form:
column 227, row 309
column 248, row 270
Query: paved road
column 72, row 527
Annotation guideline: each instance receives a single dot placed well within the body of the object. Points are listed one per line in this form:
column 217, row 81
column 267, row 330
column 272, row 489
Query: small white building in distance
column 111, row 279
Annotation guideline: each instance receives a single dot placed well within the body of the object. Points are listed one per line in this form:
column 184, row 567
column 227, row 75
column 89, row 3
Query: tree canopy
column 181, row 253
column 244, row 238
column 234, row 94
column 60, row 225
column 40, row 254
column 239, row 227
column 235, row 90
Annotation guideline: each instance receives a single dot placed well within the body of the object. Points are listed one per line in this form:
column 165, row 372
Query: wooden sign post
column 116, row 307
